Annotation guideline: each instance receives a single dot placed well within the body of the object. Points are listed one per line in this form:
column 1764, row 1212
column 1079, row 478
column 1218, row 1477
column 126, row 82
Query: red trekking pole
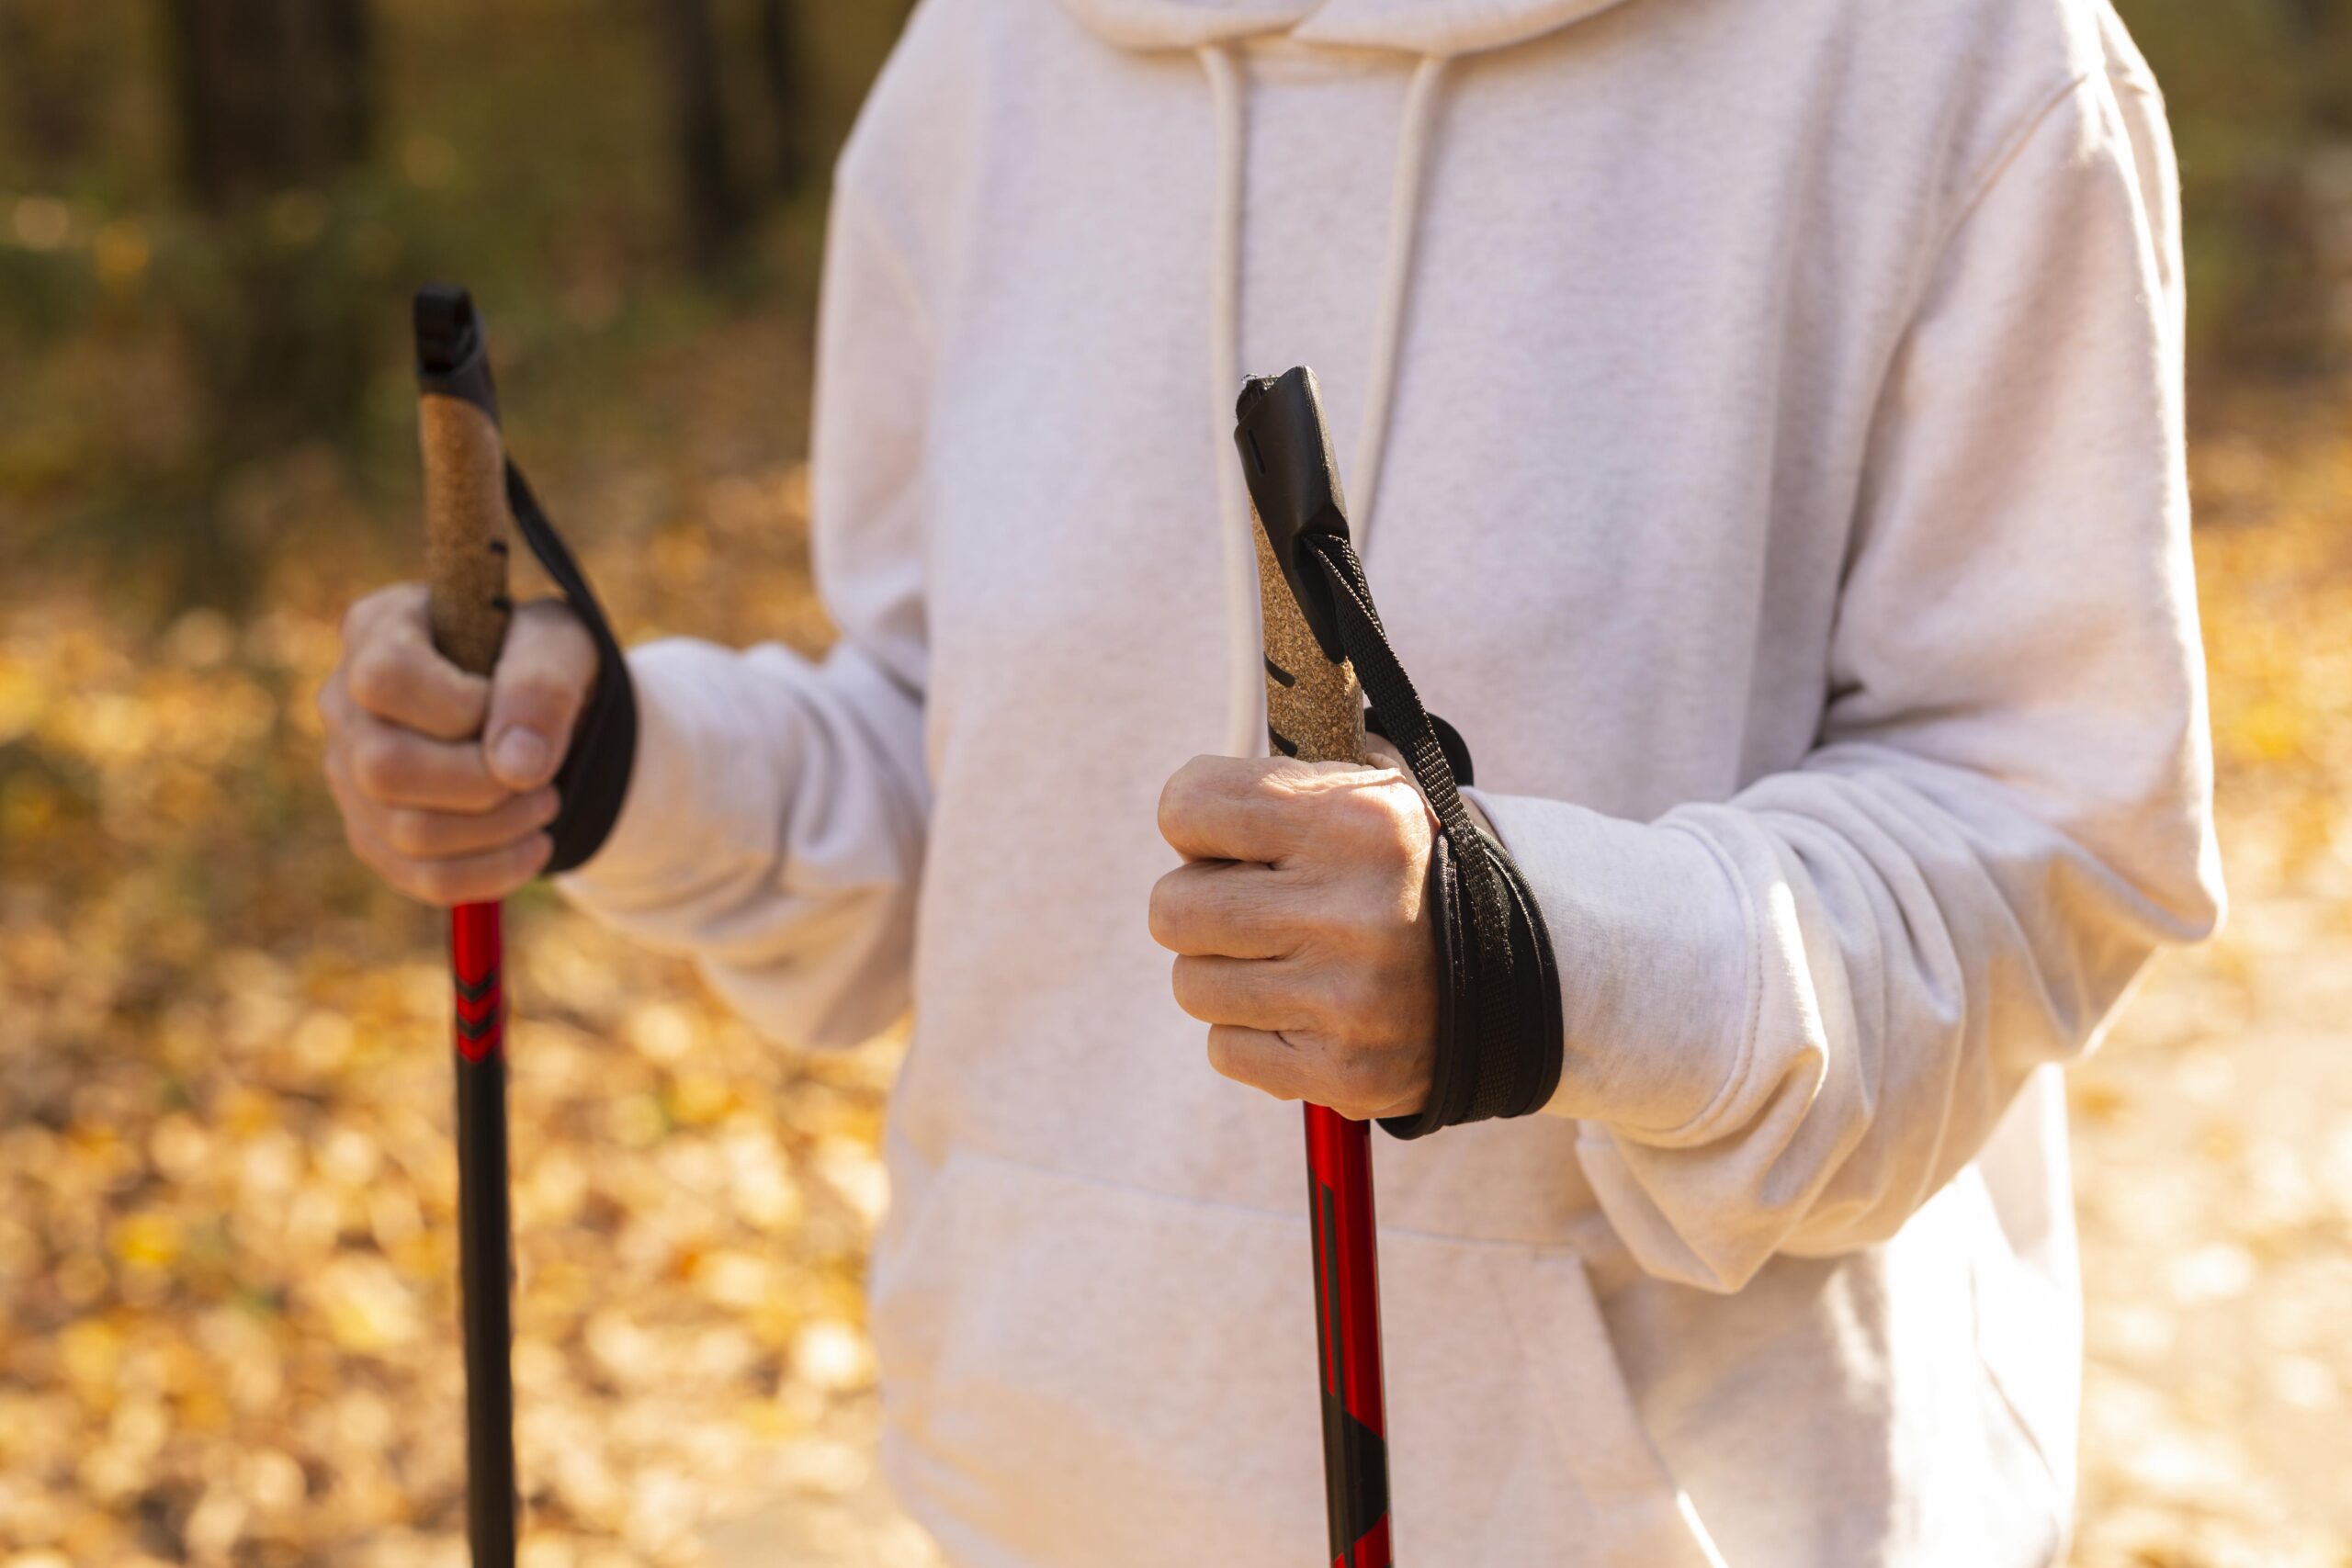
column 1315, row 712
column 466, row 523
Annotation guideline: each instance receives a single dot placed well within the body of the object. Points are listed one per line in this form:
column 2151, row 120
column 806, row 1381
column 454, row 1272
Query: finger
column 1226, row 910
column 1382, row 752
column 446, row 835
column 542, row 680
column 393, row 600
column 1251, row 993
column 465, row 879
column 1295, row 1065
column 391, row 670
column 1263, row 1060
column 390, row 766
column 403, row 833
column 1231, row 808
column 335, row 707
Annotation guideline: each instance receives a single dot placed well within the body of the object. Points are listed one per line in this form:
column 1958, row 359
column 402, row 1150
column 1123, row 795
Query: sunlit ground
column 2213, row 1131
column 227, row 1331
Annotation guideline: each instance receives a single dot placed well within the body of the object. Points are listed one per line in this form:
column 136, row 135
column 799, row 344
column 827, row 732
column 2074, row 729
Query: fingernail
column 520, row 753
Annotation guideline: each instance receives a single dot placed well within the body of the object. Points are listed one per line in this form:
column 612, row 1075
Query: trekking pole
column 466, row 519
column 1315, row 712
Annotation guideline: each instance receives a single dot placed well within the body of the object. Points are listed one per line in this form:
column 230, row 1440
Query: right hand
column 443, row 777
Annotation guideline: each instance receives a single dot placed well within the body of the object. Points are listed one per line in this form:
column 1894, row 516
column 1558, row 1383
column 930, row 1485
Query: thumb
column 542, row 682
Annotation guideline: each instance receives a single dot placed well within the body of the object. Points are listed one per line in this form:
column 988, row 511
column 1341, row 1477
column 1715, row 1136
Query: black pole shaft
column 486, row 1249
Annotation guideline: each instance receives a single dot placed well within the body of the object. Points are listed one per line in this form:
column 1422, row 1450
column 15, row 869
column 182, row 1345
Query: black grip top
column 451, row 356
column 1295, row 484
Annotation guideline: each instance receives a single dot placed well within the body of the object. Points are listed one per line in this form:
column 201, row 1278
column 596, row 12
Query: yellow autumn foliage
column 227, row 1318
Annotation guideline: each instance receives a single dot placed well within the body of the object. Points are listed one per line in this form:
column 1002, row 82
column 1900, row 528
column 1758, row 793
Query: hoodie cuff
column 1657, row 971
column 648, row 837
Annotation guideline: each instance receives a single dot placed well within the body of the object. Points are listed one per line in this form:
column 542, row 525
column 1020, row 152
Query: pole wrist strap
column 1498, row 1046
column 593, row 780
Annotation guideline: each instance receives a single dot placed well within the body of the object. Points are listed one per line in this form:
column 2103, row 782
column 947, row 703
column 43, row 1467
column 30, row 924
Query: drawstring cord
column 1245, row 724
column 1388, row 326
column 1245, row 706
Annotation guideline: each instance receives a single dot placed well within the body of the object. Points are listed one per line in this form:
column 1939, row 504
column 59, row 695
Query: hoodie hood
column 1431, row 27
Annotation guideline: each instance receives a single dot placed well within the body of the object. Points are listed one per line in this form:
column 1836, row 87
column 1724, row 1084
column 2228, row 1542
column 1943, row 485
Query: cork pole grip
column 1311, row 704
column 466, row 524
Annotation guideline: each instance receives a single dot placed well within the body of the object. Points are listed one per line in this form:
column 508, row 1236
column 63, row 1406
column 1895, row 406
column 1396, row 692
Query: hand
column 1299, row 927
column 443, row 777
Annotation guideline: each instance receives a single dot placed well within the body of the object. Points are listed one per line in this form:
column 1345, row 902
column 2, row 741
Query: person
column 1763, row 427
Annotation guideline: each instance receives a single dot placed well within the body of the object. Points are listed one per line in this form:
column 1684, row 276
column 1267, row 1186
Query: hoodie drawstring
column 1245, row 729
column 1388, row 326
column 1245, row 708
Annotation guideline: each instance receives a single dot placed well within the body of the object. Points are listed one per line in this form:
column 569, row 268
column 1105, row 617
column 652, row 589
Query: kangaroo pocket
column 1076, row 1372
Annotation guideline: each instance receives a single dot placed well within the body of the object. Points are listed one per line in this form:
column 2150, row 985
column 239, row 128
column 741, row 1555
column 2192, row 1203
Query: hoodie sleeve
column 1794, row 1015
column 775, row 824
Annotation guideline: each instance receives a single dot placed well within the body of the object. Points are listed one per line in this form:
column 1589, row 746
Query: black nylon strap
column 1499, row 1029
column 593, row 780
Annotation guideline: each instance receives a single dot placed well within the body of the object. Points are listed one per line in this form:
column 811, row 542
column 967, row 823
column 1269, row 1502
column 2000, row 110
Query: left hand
column 1299, row 927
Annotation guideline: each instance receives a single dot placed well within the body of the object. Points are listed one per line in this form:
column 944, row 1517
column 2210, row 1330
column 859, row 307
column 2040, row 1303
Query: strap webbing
column 593, row 780
column 1501, row 1046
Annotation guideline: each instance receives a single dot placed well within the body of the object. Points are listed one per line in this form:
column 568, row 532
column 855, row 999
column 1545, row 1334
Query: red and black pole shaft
column 1347, row 1333
column 467, row 526
column 1315, row 711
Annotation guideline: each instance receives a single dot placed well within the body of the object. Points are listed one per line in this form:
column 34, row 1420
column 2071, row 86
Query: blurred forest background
column 227, row 1329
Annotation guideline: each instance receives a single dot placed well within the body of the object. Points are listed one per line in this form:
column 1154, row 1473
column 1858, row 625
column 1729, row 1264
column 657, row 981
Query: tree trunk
column 790, row 100
column 56, row 65
column 274, row 104
column 714, row 213
column 273, row 93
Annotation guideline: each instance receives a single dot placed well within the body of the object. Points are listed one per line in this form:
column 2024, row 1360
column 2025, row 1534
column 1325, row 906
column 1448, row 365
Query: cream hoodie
column 1782, row 490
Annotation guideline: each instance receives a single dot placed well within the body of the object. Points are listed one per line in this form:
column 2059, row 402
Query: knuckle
column 1226, row 1055
column 1195, row 990
column 1166, row 913
column 409, row 831
column 437, row 881
column 366, row 610
column 1179, row 796
column 1220, row 1053
column 375, row 676
column 1372, row 819
column 379, row 764
column 1183, row 984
